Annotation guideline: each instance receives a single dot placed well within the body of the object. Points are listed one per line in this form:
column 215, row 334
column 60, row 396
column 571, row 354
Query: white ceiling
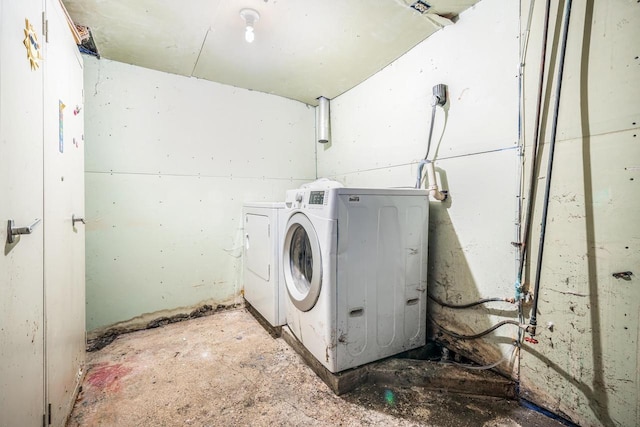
column 303, row 49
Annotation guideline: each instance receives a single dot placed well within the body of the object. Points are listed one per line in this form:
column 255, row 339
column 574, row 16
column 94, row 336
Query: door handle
column 74, row 220
column 12, row 230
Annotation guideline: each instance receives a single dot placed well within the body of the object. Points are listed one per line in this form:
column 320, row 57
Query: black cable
column 475, row 336
column 467, row 305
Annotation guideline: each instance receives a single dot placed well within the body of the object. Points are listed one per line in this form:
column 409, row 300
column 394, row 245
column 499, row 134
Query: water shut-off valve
column 531, row 330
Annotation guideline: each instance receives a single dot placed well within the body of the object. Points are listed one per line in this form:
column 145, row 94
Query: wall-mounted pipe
column 439, row 98
column 323, row 120
column 533, row 322
column 431, row 180
column 524, row 245
column 433, row 184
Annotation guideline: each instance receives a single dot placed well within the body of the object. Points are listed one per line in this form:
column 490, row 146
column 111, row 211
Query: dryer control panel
column 316, row 198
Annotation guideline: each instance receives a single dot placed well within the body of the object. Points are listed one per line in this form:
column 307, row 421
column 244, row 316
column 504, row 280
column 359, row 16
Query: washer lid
column 302, row 262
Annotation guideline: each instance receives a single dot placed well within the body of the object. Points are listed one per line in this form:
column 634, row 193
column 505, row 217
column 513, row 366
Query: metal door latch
column 74, row 220
column 12, row 230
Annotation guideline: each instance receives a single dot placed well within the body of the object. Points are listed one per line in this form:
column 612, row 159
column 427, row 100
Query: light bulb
column 249, row 35
column 250, row 17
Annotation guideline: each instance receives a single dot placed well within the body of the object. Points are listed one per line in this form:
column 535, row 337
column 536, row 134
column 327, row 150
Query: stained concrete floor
column 226, row 370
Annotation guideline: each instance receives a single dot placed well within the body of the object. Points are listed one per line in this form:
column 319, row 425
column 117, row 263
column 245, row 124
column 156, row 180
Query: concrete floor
column 226, row 370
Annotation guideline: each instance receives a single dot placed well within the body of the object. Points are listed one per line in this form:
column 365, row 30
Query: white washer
column 354, row 262
column 263, row 284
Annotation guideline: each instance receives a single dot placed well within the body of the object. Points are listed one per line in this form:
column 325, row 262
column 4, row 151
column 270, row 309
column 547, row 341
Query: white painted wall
column 587, row 366
column 380, row 131
column 169, row 162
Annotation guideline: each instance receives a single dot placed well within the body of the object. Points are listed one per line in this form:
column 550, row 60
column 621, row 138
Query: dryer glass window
column 301, row 260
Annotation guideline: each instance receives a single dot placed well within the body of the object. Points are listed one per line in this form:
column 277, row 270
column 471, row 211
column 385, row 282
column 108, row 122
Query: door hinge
column 49, row 411
column 45, row 27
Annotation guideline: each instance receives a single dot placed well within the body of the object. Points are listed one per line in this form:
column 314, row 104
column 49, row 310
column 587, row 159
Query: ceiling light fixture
column 250, row 17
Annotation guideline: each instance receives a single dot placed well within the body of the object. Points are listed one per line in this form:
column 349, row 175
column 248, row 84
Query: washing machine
column 354, row 263
column 263, row 284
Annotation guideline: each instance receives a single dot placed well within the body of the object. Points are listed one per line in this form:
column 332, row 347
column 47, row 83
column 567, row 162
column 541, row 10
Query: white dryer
column 354, row 262
column 263, row 284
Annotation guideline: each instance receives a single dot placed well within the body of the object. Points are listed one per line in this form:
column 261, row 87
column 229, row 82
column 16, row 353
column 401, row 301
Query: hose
column 425, row 161
column 533, row 321
column 479, row 334
column 433, row 117
column 439, row 98
column 467, row 305
column 420, row 167
column 485, row 367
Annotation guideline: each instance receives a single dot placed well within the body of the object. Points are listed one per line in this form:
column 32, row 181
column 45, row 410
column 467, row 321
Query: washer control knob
column 299, row 197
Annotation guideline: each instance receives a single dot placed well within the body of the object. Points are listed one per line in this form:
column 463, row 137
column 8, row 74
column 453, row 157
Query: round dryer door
column 301, row 262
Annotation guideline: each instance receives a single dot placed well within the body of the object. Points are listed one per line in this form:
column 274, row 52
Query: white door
column 63, row 199
column 21, row 193
column 258, row 244
column 302, row 262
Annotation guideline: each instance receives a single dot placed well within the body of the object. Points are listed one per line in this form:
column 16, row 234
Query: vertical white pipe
column 433, row 184
column 322, row 120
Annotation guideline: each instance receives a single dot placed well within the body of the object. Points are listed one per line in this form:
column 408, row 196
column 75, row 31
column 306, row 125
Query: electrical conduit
column 533, row 321
column 524, row 246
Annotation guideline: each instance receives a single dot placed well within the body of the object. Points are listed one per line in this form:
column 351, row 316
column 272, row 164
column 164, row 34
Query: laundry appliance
column 354, row 262
column 263, row 284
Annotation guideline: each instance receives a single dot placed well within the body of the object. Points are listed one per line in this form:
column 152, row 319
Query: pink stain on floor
column 106, row 377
